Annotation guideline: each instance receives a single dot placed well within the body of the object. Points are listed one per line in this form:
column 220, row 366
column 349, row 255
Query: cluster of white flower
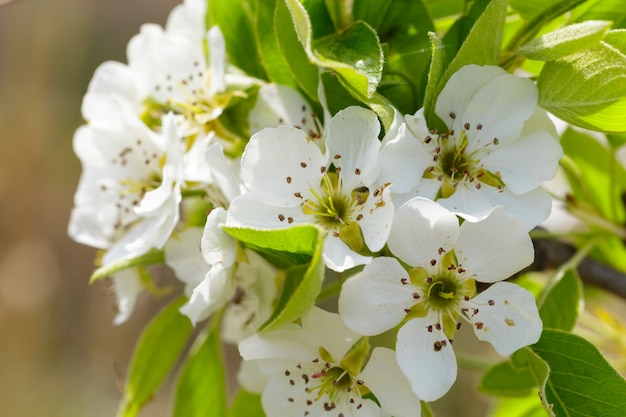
column 423, row 214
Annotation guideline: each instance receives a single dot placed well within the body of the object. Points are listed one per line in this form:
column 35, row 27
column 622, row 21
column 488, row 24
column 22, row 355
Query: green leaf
column 581, row 381
column 562, row 302
column 507, row 379
column 529, row 9
column 435, row 73
column 529, row 406
column 235, row 17
column 272, row 59
column 566, row 41
column 354, row 53
column 596, row 177
column 157, row 350
column 301, row 286
column 246, row 404
column 587, row 89
column 295, row 245
column 481, row 47
column 201, row 386
column 617, row 39
column 154, row 257
column 601, row 10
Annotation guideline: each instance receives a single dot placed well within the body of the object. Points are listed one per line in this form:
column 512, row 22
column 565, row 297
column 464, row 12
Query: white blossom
column 445, row 260
column 497, row 150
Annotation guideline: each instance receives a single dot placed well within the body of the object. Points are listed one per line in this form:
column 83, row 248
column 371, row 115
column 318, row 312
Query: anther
column 427, row 139
column 337, row 156
column 466, row 126
column 281, row 217
column 303, row 164
column 491, row 302
column 433, row 262
column 288, row 180
column 416, row 296
column 479, row 126
column 452, row 115
column 357, row 171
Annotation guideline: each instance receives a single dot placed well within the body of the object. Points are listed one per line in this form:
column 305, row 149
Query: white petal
column 218, row 246
column 290, row 342
column 189, row 16
column 527, row 162
column 377, row 219
column 420, row 228
column 502, row 115
column 155, row 200
column 374, row 300
column 248, row 210
column 183, row 255
column 383, row 377
column 461, row 88
column 111, row 81
column 431, row 370
column 280, row 162
column 335, row 336
column 495, row 248
column 392, row 132
column 280, row 105
column 127, row 287
column 403, row 161
column 511, row 323
column 250, row 377
column 195, row 165
column 353, row 145
column 210, row 294
column 217, row 61
column 280, row 398
column 338, row 256
column 222, row 172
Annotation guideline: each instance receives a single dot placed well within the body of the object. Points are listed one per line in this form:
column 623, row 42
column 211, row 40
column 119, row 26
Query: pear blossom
column 317, row 370
column 446, row 261
column 497, row 150
column 290, row 182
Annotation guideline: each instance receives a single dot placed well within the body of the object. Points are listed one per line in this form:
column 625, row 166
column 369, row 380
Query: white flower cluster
column 425, row 215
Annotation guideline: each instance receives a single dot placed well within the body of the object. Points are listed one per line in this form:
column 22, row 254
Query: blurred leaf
column 235, row 18
column 587, row 89
column 337, row 97
column 481, row 47
column 201, row 386
column 157, row 350
column 154, row 257
column 581, row 382
column 561, row 302
column 566, row 41
column 616, row 140
column 302, row 70
column 246, row 404
column 272, row 60
column 301, row 286
column 596, row 177
column 294, row 245
column 617, row 39
column 529, row 406
column 505, row 379
column 532, row 8
column 601, row 10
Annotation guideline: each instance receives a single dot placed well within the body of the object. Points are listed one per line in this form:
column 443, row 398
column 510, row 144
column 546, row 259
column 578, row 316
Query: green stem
column 426, row 410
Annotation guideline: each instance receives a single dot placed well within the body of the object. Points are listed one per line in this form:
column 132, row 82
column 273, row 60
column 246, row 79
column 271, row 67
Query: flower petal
column 335, row 336
column 280, row 162
column 374, row 300
column 426, row 358
column 289, row 343
column 248, row 210
column 377, row 219
column 495, row 248
column 211, row 294
column 127, row 287
column 338, row 256
column 353, row 145
column 508, row 317
column 217, row 61
column 183, row 255
column 420, row 228
column 217, row 246
column 383, row 377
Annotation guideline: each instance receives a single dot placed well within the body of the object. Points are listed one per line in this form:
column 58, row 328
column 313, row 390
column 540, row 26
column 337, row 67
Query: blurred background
column 60, row 355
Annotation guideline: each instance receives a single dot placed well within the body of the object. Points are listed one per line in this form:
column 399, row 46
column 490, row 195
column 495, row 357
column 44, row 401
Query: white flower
column 498, row 149
column 446, row 261
column 127, row 287
column 128, row 197
column 315, row 370
column 292, row 182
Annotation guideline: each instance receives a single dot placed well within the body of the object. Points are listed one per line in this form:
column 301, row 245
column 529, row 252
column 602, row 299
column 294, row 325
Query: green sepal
column 356, row 357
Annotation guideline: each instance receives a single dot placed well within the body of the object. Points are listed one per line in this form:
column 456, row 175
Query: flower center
column 455, row 163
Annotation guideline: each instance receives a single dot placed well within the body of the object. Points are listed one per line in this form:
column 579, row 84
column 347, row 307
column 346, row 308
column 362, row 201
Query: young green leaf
column 201, row 386
column 272, row 60
column 435, row 73
column 302, row 70
column 301, row 286
column 587, row 89
column 235, row 21
column 154, row 257
column 562, row 302
column 295, row 245
column 246, row 404
column 617, row 39
column 506, row 379
column 581, row 381
column 565, row 41
column 529, row 406
column 601, row 10
column 157, row 350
